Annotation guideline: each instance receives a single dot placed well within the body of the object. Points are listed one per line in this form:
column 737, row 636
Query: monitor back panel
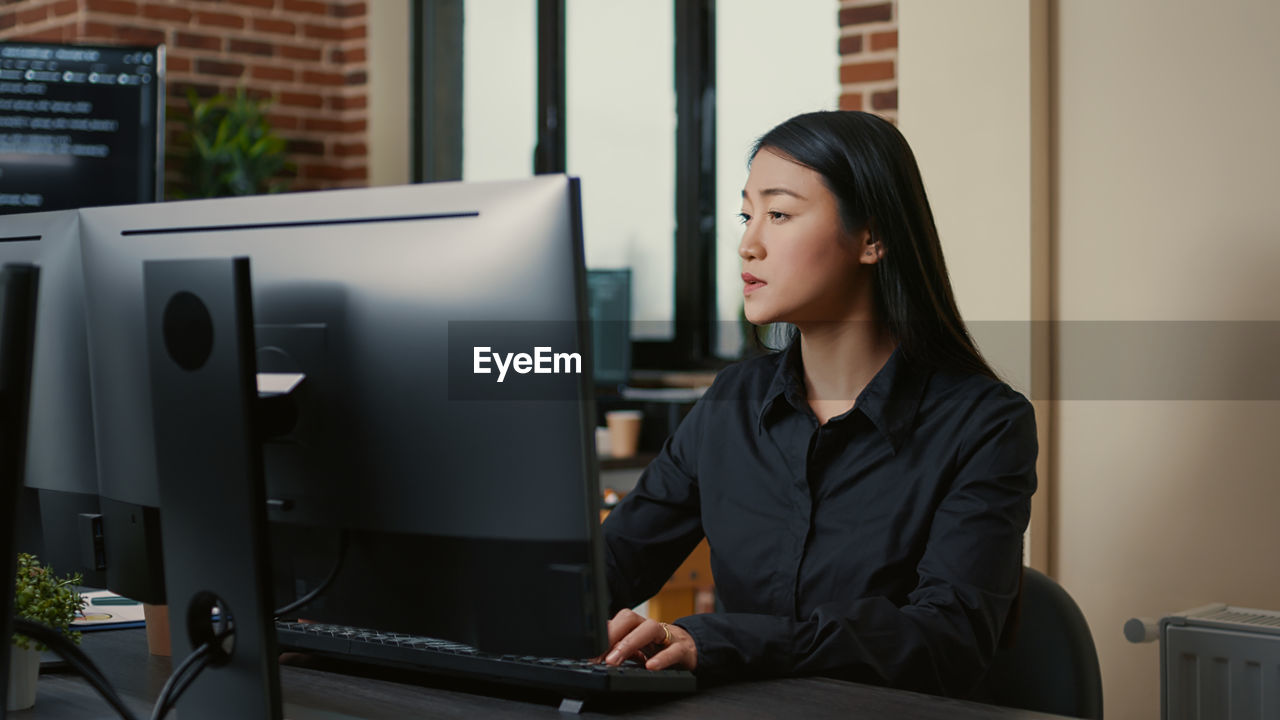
column 381, row 297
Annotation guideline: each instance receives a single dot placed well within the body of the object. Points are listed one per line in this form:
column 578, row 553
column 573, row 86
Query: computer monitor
column 80, row 125
column 60, row 496
column 464, row 475
column 609, row 300
column 18, row 285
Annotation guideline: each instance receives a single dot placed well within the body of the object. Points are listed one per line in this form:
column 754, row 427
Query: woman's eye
column 776, row 216
column 744, row 218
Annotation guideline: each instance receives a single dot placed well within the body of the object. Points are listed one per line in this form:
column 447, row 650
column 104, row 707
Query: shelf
column 638, row 461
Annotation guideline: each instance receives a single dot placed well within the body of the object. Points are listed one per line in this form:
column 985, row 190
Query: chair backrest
column 1052, row 665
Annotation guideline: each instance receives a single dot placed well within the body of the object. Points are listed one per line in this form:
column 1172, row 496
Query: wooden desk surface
column 314, row 693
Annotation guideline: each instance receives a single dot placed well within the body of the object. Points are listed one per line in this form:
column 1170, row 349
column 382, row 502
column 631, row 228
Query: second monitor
column 442, row 423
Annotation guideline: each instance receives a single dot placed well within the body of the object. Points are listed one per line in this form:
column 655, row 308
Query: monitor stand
column 212, row 493
column 18, row 287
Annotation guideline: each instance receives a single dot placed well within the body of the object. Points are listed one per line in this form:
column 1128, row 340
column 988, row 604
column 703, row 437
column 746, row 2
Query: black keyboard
column 570, row 677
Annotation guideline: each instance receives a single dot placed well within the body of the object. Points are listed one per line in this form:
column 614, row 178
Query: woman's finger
column 622, row 624
column 681, row 651
column 648, row 632
column 619, row 627
column 671, row 656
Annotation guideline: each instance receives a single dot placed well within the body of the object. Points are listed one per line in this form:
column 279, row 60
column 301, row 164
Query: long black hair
column 868, row 166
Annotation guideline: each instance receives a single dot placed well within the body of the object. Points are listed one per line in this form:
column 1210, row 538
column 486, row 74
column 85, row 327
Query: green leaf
column 40, row 595
column 233, row 148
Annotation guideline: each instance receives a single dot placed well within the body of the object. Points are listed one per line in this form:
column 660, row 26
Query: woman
column 864, row 492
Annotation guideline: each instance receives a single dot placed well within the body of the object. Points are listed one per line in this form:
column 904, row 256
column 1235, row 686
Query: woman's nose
column 749, row 248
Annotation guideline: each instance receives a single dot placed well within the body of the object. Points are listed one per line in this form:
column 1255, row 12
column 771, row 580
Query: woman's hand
column 657, row 645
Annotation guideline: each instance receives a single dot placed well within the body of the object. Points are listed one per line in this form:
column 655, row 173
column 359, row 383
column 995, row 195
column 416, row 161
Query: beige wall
column 389, row 92
column 1168, row 168
column 1165, row 166
column 983, row 151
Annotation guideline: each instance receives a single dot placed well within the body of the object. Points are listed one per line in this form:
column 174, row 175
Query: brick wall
column 309, row 55
column 869, row 56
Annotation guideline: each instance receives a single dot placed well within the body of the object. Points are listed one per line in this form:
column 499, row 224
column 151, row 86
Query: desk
column 312, row 693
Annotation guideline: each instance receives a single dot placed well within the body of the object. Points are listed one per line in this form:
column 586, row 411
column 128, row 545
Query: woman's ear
column 872, row 248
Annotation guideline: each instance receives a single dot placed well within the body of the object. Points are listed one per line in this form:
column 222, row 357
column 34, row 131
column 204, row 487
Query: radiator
column 1217, row 662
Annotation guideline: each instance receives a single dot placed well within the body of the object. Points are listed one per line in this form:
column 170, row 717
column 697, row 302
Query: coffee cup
column 624, row 431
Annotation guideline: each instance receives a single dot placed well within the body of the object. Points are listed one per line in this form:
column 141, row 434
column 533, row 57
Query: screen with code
column 79, row 125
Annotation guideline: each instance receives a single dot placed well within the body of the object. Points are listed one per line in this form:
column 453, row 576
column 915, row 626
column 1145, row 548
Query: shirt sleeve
column 943, row 639
column 657, row 524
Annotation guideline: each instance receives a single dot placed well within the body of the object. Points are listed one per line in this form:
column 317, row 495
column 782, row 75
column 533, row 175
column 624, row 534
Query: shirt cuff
column 740, row 646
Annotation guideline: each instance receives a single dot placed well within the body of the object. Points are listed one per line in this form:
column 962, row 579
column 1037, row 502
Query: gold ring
column 666, row 629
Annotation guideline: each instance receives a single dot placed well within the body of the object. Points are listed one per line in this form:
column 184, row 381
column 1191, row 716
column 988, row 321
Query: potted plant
column 43, row 597
column 233, row 148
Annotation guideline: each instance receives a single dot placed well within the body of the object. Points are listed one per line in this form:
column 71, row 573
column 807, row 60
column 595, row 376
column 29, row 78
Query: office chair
column 1051, row 665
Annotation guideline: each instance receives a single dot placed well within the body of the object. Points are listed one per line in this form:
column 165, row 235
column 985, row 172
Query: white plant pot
column 24, row 670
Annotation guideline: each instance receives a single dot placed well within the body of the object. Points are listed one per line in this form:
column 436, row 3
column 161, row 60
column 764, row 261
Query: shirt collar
column 890, row 401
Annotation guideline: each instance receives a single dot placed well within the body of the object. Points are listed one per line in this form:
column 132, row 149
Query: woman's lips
column 751, row 283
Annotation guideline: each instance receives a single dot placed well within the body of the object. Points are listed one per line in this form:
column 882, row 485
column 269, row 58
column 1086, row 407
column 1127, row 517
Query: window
column 626, row 95
column 756, row 90
column 621, row 128
column 499, row 89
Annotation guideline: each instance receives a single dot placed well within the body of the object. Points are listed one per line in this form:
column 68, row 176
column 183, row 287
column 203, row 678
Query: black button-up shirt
column 884, row 546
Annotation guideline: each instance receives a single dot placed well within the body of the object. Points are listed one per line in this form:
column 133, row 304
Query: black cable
column 333, row 574
column 74, row 657
column 180, row 679
column 42, row 633
column 67, row 650
column 191, row 666
column 185, row 681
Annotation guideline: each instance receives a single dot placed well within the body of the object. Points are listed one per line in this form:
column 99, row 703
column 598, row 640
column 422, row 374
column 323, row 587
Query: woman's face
column 799, row 263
